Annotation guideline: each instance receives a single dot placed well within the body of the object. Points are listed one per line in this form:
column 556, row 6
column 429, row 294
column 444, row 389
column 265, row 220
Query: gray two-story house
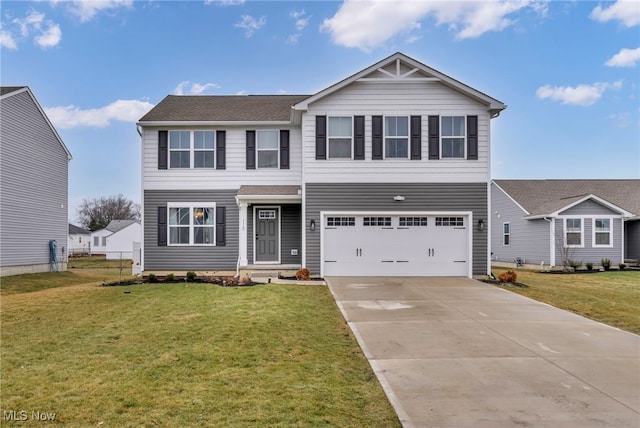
column 383, row 173
column 34, row 165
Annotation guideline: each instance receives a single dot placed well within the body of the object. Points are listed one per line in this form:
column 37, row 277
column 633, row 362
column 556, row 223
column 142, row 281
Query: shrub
column 152, row 279
column 621, row 266
column 191, row 276
column 575, row 264
column 170, row 278
column 303, row 274
column 589, row 266
column 606, row 264
column 508, row 276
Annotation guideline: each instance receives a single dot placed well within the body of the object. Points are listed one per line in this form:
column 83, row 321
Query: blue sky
column 569, row 71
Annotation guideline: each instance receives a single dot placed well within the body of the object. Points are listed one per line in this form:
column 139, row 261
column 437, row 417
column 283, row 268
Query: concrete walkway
column 454, row 352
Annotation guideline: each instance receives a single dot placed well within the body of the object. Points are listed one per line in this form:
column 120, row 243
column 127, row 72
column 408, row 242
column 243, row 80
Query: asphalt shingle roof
column 76, row 230
column 117, row 225
column 223, row 108
column 541, row 197
column 8, row 89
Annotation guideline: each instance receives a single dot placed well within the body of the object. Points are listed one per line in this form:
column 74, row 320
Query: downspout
column 552, row 235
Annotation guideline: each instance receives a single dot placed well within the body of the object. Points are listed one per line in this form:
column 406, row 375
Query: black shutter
column 434, row 137
column 321, row 137
column 251, row 149
column 284, row 149
column 162, row 226
column 358, row 140
column 221, row 145
column 163, row 149
column 221, row 229
column 416, row 137
column 376, row 138
column 472, row 137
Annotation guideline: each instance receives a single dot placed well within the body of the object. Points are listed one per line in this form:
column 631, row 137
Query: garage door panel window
column 341, row 221
column 377, row 221
column 413, row 221
column 449, row 221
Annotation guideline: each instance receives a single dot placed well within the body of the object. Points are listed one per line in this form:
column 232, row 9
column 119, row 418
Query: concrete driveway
column 454, row 352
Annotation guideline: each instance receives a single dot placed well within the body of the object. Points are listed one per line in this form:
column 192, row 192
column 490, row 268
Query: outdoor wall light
column 481, row 225
column 312, row 225
column 398, row 198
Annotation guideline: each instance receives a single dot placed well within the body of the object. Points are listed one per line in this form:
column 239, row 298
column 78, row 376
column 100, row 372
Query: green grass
column 610, row 297
column 94, row 270
column 186, row 355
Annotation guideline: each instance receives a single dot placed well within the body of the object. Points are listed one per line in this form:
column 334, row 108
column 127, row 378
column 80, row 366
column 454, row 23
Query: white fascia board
column 268, row 199
column 214, row 123
column 597, row 199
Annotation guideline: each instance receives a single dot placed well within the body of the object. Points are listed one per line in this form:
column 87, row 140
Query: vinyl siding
column 389, row 99
column 209, row 258
column 590, row 208
column 34, row 176
column 290, row 233
column 235, row 173
column 588, row 253
column 444, row 197
column 529, row 238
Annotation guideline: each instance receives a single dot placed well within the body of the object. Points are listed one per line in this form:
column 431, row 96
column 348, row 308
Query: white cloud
column 581, row 95
column 624, row 58
column 7, row 40
column 71, row 116
column 301, row 19
column 87, row 10
column 626, row 11
column 250, row 25
column 189, row 88
column 47, row 33
column 369, row 23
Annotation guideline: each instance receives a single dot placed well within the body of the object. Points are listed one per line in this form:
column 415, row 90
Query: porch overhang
column 266, row 194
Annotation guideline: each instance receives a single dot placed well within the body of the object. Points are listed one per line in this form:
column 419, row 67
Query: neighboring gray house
column 383, row 173
column 543, row 222
column 33, row 186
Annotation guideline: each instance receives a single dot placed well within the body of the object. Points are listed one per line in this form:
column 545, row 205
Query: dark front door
column 267, row 235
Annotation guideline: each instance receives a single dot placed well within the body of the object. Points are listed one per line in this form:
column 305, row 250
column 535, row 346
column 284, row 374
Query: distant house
column 33, row 187
column 79, row 242
column 116, row 240
column 545, row 222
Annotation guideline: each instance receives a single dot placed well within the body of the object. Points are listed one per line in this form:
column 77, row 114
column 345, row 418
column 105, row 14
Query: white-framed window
column 96, row 241
column 191, row 223
column 602, row 232
column 104, row 241
column 266, row 214
column 453, row 136
column 573, row 232
column 396, row 137
column 506, row 234
column 191, row 149
column 267, row 148
column 340, row 137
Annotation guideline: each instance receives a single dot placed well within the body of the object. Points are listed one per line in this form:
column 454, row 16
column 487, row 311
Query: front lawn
column 611, row 297
column 186, row 355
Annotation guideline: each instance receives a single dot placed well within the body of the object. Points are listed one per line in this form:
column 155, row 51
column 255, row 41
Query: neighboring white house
column 116, row 240
column 383, row 173
column 34, row 166
column 79, row 242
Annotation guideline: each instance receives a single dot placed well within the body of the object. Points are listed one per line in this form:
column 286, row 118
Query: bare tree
column 96, row 213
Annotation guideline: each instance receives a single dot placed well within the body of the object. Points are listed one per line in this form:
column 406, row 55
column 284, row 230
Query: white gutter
column 215, row 123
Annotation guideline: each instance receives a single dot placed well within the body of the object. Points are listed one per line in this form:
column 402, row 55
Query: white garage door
column 396, row 245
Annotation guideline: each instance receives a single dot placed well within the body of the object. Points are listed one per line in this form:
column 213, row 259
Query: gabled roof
column 401, row 68
column 548, row 197
column 222, row 108
column 9, row 91
column 76, row 230
column 117, row 225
